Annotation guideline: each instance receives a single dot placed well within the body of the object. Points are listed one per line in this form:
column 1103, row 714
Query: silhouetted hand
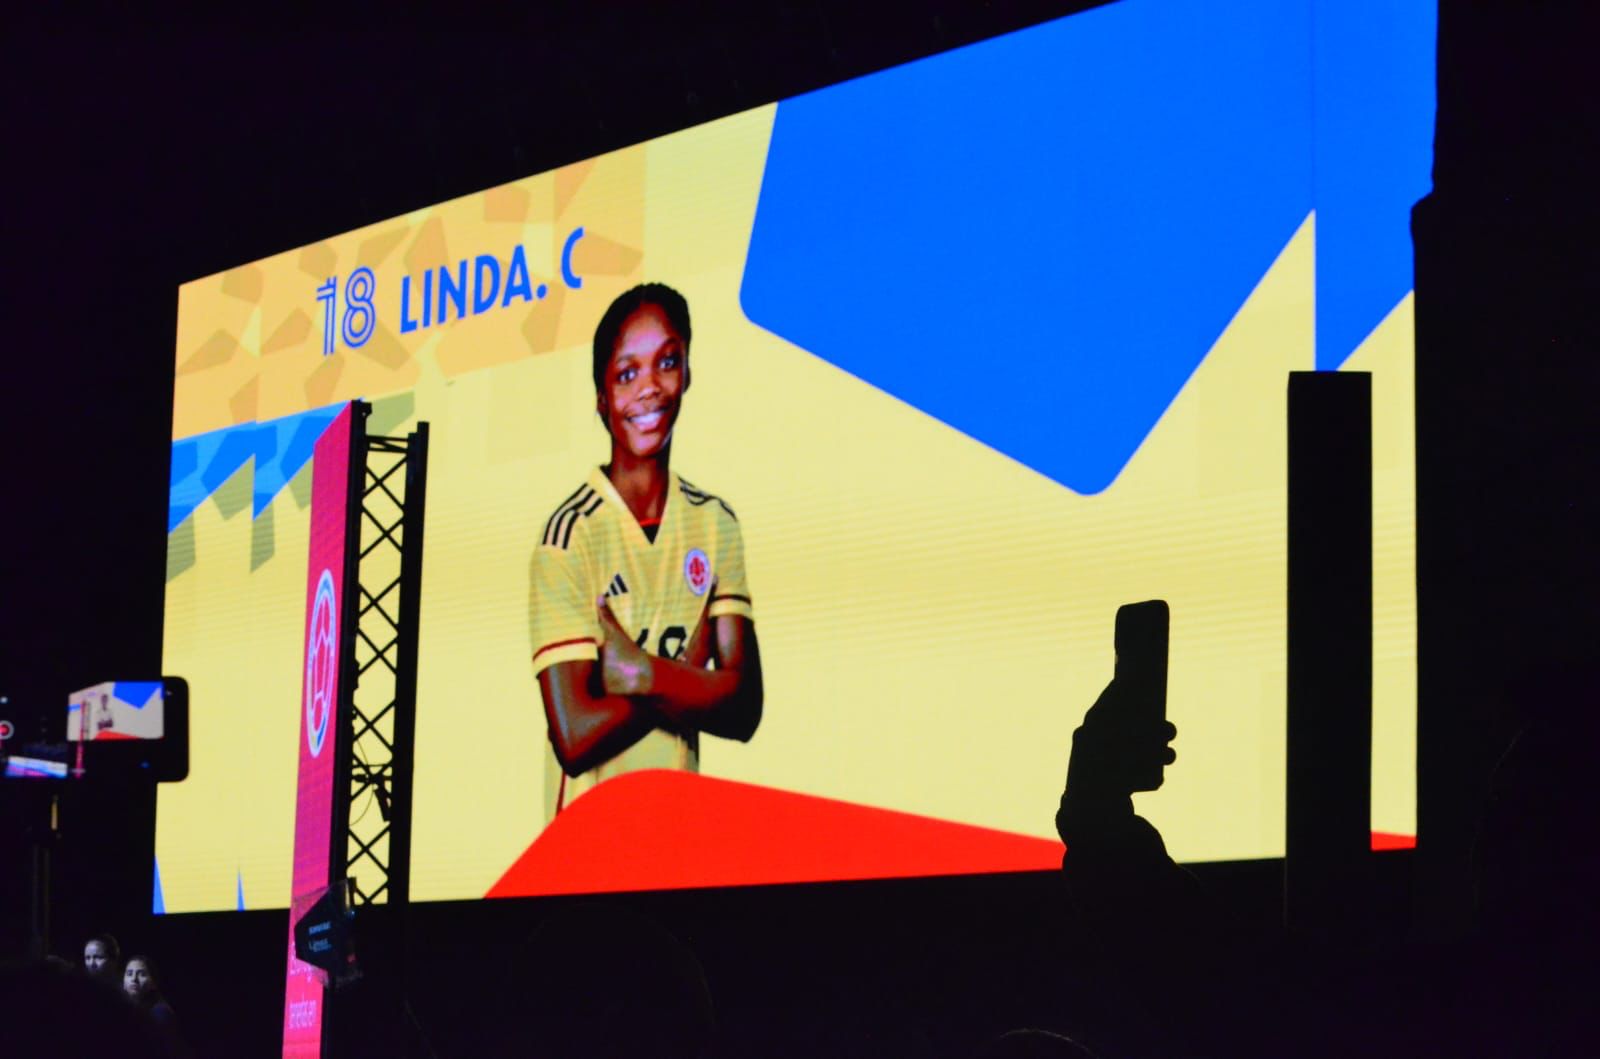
column 1163, row 947
column 1114, row 751
column 1116, row 864
column 1112, row 853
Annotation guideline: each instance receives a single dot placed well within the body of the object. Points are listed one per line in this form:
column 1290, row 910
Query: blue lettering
column 517, row 281
column 360, row 319
column 326, row 293
column 453, row 290
column 407, row 324
column 486, row 289
column 567, row 275
column 484, row 294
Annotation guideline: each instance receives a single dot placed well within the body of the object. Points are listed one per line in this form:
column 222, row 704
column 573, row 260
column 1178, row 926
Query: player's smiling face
column 644, row 383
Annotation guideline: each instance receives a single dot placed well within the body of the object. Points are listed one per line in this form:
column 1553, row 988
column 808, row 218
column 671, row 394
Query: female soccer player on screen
column 638, row 581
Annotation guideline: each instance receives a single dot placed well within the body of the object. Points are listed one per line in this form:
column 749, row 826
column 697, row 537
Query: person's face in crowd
column 137, row 979
column 644, row 382
column 97, row 960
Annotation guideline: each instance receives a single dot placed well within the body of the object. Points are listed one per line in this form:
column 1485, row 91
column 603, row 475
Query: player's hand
column 702, row 645
column 625, row 667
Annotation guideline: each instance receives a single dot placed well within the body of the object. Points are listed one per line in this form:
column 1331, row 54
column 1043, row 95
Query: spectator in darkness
column 102, row 959
column 47, row 1010
column 143, row 987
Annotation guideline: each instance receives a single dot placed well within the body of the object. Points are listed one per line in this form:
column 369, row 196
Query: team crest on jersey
column 697, row 571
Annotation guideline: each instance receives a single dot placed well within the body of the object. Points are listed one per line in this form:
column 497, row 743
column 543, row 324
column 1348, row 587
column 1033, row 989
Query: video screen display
column 117, row 709
column 901, row 389
column 33, row 767
column 317, row 856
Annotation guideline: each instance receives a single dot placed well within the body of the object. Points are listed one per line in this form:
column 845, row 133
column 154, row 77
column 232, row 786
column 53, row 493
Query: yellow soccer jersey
column 593, row 546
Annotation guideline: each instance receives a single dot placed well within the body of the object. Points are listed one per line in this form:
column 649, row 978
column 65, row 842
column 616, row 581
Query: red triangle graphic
column 667, row 830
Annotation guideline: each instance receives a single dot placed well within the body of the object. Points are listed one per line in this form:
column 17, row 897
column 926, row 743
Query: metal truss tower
column 393, row 495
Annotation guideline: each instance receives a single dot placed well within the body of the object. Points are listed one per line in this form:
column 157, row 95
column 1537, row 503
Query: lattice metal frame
column 383, row 714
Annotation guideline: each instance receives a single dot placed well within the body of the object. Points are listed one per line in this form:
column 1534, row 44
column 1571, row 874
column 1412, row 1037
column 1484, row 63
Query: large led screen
column 971, row 351
column 317, row 770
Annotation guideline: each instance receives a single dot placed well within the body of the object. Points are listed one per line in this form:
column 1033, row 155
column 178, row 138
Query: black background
column 139, row 157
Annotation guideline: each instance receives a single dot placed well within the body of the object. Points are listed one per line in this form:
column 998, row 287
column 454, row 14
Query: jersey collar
column 631, row 527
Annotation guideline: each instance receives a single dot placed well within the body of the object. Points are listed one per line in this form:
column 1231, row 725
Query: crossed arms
column 598, row 708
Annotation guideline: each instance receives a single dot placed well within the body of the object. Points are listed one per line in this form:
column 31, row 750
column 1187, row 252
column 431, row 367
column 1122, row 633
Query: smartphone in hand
column 1141, row 676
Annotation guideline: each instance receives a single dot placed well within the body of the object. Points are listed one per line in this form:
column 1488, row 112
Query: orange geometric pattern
column 251, row 340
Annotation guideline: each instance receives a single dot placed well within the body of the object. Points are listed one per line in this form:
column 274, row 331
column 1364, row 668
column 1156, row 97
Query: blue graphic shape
column 283, row 447
column 1374, row 83
column 136, row 693
column 158, row 903
column 200, row 465
column 1037, row 239
column 279, row 449
column 239, row 891
column 185, row 459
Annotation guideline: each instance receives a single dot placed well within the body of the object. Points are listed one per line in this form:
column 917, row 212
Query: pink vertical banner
column 319, row 717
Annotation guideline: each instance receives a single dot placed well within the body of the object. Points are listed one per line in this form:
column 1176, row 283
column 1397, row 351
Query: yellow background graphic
column 934, row 617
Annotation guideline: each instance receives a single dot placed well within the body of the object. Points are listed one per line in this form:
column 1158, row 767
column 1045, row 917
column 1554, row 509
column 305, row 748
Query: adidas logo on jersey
column 617, row 587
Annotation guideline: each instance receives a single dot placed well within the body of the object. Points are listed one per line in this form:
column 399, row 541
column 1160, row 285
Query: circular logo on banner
column 322, row 663
column 697, row 571
column 6, row 730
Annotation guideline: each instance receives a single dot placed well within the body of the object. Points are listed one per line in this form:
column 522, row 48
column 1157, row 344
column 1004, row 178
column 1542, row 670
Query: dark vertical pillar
column 1508, row 451
column 1329, row 781
column 405, row 679
column 1468, row 455
column 39, row 892
column 405, row 722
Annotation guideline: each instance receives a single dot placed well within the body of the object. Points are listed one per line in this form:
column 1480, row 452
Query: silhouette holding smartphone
column 1141, row 677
